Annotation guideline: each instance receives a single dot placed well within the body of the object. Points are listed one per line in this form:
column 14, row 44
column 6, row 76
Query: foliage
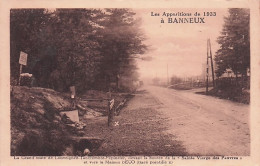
column 82, row 47
column 25, row 25
column 234, row 52
column 121, row 43
column 175, row 80
column 77, row 47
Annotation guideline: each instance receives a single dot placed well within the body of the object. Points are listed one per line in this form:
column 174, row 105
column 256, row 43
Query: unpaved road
column 166, row 122
column 140, row 131
column 205, row 125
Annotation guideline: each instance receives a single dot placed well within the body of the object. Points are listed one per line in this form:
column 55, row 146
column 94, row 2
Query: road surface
column 204, row 125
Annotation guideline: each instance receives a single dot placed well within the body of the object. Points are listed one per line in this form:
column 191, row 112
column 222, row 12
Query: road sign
column 23, row 58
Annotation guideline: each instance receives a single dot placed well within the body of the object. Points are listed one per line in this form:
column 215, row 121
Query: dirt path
column 205, row 125
column 140, row 131
column 160, row 121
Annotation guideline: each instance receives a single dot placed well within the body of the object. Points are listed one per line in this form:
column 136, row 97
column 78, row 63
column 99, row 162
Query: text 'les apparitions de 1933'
column 183, row 17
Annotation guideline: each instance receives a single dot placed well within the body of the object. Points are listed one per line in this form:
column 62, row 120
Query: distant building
column 229, row 73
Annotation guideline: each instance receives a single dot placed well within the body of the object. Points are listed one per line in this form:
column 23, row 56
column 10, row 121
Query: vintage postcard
column 130, row 82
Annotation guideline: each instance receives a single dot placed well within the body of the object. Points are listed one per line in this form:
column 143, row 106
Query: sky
column 183, row 47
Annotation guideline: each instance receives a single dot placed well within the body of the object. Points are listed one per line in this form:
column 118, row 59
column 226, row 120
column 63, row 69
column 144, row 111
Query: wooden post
column 109, row 119
column 213, row 79
column 22, row 61
column 21, row 68
column 111, row 110
column 207, row 70
column 73, row 96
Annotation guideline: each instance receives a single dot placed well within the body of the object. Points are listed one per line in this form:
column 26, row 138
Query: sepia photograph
column 121, row 83
column 130, row 82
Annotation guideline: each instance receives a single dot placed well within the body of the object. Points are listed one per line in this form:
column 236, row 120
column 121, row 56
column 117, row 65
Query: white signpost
column 112, row 102
column 23, row 58
column 22, row 61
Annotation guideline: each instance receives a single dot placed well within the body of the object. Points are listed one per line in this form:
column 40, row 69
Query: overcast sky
column 182, row 46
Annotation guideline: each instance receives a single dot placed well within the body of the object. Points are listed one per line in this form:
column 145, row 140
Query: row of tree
column 234, row 52
column 89, row 48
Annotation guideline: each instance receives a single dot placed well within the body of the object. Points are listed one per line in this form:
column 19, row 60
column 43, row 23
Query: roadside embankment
column 45, row 122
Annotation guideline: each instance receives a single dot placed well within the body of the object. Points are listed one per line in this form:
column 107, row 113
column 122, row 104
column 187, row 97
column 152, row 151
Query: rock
column 86, row 152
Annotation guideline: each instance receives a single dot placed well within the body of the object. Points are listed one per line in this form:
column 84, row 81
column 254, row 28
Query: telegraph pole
column 209, row 55
column 207, row 70
column 212, row 69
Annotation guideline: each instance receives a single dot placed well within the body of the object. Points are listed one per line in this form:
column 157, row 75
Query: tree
column 175, row 80
column 76, row 32
column 121, row 43
column 25, row 25
column 234, row 52
column 76, row 46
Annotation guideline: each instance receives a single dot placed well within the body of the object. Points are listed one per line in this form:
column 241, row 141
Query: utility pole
column 209, row 55
column 212, row 69
column 207, row 70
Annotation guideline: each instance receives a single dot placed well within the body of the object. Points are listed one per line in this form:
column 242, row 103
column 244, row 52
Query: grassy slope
column 36, row 127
